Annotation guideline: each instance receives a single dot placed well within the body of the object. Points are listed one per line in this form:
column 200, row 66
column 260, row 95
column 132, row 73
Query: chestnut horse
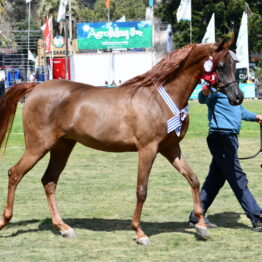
column 131, row 117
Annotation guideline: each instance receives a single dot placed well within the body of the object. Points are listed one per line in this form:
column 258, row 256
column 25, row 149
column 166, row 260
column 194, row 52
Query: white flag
column 27, row 1
column 209, row 36
column 31, row 56
column 184, row 10
column 149, row 13
column 169, row 46
column 242, row 44
column 61, row 11
column 121, row 19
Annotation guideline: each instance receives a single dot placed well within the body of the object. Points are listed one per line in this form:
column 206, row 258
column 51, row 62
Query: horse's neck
column 184, row 83
column 181, row 88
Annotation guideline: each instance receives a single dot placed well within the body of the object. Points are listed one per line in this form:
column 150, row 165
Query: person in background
column 224, row 126
column 2, row 87
column 249, row 81
column 32, row 77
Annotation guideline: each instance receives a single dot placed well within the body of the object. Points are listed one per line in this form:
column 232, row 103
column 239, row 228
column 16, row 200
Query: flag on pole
column 184, row 11
column 242, row 44
column 31, row 56
column 121, row 19
column 151, row 3
column 107, row 3
column 209, row 36
column 61, row 11
column 169, row 39
column 47, row 29
column 149, row 13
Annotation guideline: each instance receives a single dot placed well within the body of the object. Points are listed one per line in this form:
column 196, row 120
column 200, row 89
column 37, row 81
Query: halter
column 211, row 77
column 221, row 86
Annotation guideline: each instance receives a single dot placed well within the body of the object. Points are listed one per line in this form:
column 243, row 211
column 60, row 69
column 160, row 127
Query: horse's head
column 225, row 67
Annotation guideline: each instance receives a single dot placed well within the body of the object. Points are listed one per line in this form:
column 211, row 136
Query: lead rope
column 225, row 144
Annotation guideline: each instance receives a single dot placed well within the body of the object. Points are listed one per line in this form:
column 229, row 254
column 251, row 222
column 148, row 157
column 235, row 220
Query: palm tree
column 2, row 6
column 47, row 8
column 50, row 7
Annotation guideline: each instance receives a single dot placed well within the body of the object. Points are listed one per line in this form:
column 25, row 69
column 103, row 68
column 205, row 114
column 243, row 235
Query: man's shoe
column 191, row 224
column 257, row 227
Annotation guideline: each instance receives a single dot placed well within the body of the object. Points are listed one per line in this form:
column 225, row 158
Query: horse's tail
column 8, row 106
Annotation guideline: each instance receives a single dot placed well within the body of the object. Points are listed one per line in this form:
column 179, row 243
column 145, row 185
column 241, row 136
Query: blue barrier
column 247, row 89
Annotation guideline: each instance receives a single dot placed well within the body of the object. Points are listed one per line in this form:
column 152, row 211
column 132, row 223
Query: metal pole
column 70, row 28
column 260, row 138
column 153, row 28
column 28, row 40
column 66, row 40
column 109, row 53
column 191, row 31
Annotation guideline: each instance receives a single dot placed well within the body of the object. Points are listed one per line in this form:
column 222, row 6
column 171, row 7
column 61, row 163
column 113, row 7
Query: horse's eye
column 220, row 65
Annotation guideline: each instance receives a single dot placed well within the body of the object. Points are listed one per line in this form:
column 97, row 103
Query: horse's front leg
column 176, row 158
column 145, row 161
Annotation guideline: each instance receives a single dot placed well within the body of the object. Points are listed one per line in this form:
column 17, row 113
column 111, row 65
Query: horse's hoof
column 2, row 223
column 144, row 241
column 69, row 233
column 202, row 231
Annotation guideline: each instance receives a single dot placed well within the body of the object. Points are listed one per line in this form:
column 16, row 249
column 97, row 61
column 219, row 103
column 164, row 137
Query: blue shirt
column 228, row 117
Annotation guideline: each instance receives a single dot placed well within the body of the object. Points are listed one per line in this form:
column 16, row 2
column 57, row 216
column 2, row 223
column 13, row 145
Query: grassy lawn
column 96, row 196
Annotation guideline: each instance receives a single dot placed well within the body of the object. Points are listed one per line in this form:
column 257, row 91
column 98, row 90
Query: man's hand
column 259, row 119
column 205, row 90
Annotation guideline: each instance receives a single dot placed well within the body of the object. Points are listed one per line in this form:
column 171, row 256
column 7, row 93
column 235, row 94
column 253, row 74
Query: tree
column 2, row 6
column 228, row 15
column 97, row 11
column 50, row 8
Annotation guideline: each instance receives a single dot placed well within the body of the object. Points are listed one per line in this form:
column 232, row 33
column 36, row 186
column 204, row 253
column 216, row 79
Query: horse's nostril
column 238, row 96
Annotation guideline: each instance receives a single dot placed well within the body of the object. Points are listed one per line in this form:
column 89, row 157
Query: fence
column 18, row 53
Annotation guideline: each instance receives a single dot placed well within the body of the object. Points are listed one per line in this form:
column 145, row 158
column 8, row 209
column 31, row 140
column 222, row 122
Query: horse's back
column 102, row 118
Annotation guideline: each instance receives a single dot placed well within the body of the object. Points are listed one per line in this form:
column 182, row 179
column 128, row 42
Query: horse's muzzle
column 236, row 99
column 234, row 94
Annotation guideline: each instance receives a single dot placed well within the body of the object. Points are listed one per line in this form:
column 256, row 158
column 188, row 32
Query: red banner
column 107, row 3
column 48, row 32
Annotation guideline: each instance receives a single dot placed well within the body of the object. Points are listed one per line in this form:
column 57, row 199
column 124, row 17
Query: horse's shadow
column 224, row 220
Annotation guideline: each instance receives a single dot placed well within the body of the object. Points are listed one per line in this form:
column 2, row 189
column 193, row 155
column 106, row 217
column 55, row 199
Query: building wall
column 96, row 68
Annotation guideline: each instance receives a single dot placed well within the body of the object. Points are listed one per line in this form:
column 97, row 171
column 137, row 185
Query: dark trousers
column 2, row 89
column 226, row 167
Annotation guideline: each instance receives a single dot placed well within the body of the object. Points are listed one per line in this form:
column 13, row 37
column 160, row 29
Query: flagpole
column 52, row 53
column 28, row 39
column 70, row 28
column 109, row 53
column 191, row 31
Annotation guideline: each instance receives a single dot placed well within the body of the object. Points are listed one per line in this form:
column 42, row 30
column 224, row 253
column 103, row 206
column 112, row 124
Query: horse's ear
column 224, row 43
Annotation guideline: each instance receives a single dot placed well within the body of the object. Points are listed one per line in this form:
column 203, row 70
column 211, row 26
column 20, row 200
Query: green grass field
column 96, row 196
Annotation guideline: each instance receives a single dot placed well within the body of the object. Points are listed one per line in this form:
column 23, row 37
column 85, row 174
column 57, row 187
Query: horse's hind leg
column 59, row 154
column 16, row 173
column 145, row 162
column 176, row 158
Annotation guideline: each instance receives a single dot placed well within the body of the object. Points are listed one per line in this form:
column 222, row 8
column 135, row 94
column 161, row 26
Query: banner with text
column 114, row 35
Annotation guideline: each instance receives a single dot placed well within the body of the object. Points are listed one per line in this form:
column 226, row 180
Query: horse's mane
column 162, row 71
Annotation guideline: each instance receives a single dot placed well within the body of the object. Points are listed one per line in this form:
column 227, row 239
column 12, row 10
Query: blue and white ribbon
column 174, row 123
